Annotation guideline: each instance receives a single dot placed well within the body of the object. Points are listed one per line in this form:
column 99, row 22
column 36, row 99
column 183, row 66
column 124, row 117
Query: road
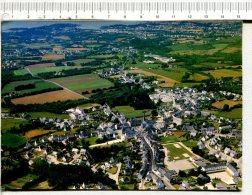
column 107, row 143
column 116, row 175
column 238, row 161
column 81, row 96
column 165, row 181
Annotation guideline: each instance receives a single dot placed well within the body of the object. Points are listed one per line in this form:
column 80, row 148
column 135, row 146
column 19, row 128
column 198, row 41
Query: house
column 159, row 184
column 231, row 170
column 28, row 145
column 177, row 121
column 227, row 150
column 199, row 162
column 170, row 174
column 212, row 168
column 161, row 172
column 201, row 145
column 184, row 186
column 233, row 154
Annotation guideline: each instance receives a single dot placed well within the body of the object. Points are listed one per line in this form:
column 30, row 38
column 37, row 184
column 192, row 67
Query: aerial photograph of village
column 98, row 105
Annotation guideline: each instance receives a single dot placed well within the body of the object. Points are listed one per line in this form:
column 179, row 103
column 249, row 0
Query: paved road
column 238, row 161
column 165, row 181
column 116, row 175
column 107, row 143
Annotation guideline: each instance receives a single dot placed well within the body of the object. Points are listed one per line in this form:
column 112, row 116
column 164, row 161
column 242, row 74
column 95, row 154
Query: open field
column 53, row 96
column 213, row 65
column 224, row 73
column 80, row 61
column 48, row 115
column 88, row 105
column 10, row 140
column 43, row 65
column 178, row 152
column 53, row 57
column 130, row 112
column 177, row 165
column 187, row 84
column 194, row 52
column 36, row 133
column 220, row 46
column 75, row 49
column 92, row 140
column 20, row 182
column 168, row 81
column 198, row 77
column 112, row 170
column 37, row 70
column 223, row 176
column 20, row 72
column 101, row 56
column 168, row 139
column 39, row 85
column 85, row 82
column 231, row 50
column 142, row 65
column 235, row 113
column 231, row 103
column 172, row 73
column 43, row 186
column 8, row 123
column 190, row 143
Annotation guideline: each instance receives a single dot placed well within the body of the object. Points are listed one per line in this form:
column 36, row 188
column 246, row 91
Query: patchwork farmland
column 224, row 73
column 39, row 85
column 54, row 96
column 81, row 83
column 168, row 81
column 38, row 70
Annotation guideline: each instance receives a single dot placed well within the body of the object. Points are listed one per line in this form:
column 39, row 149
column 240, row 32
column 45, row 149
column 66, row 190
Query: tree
column 182, row 173
column 154, row 113
column 40, row 167
column 226, row 108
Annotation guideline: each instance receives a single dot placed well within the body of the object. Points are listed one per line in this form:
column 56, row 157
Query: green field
column 48, row 115
column 127, row 186
column 20, row 182
column 186, row 84
column 37, row 70
column 92, row 140
column 190, row 143
column 173, row 73
column 224, row 73
column 220, row 46
column 80, row 83
column 180, row 47
column 20, row 72
column 101, row 83
column 130, row 112
column 168, row 139
column 102, row 56
column 142, row 65
column 235, row 113
column 80, row 61
column 7, row 124
column 213, row 65
column 12, row 140
column 39, row 85
column 177, row 153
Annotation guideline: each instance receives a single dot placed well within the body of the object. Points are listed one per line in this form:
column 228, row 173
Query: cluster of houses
column 161, row 59
column 48, row 148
